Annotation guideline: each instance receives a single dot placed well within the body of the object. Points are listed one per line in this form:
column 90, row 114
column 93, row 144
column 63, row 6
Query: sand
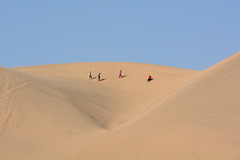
column 54, row 112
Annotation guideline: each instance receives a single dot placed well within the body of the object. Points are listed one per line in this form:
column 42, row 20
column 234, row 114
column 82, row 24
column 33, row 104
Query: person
column 120, row 74
column 99, row 76
column 90, row 75
column 149, row 78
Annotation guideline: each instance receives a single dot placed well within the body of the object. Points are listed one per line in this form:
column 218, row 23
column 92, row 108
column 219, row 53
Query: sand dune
column 56, row 112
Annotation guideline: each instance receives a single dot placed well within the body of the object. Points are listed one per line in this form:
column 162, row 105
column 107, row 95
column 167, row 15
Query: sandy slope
column 55, row 112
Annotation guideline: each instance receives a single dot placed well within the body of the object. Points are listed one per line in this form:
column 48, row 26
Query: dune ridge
column 56, row 112
column 110, row 95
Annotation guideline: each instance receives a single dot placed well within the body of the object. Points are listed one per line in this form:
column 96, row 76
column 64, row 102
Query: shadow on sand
column 149, row 80
column 124, row 76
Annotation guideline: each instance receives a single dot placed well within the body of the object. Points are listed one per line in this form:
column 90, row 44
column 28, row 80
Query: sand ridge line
column 197, row 120
column 96, row 151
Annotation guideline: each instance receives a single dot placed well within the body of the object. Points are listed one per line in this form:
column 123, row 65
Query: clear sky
column 181, row 33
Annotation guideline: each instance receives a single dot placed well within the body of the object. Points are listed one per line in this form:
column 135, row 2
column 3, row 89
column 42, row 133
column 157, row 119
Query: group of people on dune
column 119, row 76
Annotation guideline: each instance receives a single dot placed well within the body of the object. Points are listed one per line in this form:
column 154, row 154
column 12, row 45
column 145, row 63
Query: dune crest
column 111, row 101
column 56, row 112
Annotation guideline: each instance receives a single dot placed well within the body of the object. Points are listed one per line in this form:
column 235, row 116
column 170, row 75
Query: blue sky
column 186, row 34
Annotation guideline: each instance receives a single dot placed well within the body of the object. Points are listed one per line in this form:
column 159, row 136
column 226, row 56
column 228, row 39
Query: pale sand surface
column 54, row 112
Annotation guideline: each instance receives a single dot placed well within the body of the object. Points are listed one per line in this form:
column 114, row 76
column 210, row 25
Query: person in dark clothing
column 90, row 75
column 99, row 76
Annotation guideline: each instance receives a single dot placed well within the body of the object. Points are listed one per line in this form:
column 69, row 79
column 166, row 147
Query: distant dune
column 54, row 112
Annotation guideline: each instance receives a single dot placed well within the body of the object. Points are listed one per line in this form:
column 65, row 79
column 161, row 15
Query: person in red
column 120, row 74
column 149, row 78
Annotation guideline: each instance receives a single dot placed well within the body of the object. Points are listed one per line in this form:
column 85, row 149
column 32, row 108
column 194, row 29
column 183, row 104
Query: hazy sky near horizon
column 186, row 34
